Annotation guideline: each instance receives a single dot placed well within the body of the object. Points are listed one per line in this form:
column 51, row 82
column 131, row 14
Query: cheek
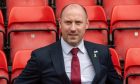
column 82, row 30
column 82, row 33
column 63, row 28
column 64, row 32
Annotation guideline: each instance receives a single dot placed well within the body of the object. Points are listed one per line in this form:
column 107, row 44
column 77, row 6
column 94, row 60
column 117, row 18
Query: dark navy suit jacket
column 46, row 66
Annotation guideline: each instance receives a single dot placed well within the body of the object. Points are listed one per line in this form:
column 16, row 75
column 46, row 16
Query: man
column 55, row 64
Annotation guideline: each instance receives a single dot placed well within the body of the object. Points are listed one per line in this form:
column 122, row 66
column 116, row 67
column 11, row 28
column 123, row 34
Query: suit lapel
column 94, row 56
column 58, row 62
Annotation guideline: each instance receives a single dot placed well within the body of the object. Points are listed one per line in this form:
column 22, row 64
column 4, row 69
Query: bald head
column 73, row 24
column 73, row 7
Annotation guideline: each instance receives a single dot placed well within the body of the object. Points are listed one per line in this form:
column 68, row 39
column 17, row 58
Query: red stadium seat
column 4, row 77
column 61, row 3
column 20, row 60
column 108, row 5
column 31, row 28
column 115, row 60
column 125, row 28
column 2, row 31
column 24, row 3
column 132, row 66
column 98, row 28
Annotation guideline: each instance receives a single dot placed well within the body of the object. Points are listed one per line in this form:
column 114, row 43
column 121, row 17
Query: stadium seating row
column 131, row 70
column 32, row 25
column 38, row 26
column 108, row 5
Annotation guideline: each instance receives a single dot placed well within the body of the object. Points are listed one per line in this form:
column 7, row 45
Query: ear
column 59, row 22
column 87, row 24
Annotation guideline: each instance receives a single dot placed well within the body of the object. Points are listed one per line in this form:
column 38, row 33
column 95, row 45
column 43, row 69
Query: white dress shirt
column 86, row 67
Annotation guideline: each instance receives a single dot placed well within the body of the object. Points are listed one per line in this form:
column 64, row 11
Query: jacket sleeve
column 112, row 75
column 31, row 73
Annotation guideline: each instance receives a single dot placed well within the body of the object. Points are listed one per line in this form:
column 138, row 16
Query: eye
column 68, row 22
column 78, row 22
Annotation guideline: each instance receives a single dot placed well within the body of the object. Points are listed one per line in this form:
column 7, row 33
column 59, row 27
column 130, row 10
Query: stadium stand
column 32, row 24
column 125, row 28
column 115, row 60
column 98, row 28
column 31, row 28
column 132, row 66
column 20, row 60
column 108, row 5
column 61, row 3
column 3, row 8
column 24, row 3
column 4, row 77
column 2, row 31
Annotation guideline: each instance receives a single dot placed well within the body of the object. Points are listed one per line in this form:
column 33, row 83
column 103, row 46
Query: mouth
column 73, row 34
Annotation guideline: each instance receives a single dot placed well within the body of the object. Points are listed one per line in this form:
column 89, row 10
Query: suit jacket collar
column 66, row 48
column 93, row 53
column 58, row 61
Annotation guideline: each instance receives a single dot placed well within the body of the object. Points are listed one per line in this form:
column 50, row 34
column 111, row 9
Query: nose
column 73, row 27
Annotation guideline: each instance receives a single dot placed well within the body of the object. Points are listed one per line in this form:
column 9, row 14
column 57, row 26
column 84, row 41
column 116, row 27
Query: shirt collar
column 67, row 48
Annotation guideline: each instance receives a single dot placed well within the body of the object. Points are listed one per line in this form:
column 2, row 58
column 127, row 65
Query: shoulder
column 96, row 45
column 42, row 56
column 103, row 50
column 47, row 49
column 45, row 52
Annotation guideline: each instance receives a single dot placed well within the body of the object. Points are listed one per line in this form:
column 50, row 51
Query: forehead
column 73, row 15
column 73, row 10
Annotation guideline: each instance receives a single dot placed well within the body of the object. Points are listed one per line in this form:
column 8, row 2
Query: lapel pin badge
column 95, row 53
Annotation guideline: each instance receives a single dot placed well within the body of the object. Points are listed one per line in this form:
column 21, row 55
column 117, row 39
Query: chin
column 73, row 43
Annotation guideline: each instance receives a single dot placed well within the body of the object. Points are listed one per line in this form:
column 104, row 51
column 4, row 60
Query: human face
column 73, row 24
